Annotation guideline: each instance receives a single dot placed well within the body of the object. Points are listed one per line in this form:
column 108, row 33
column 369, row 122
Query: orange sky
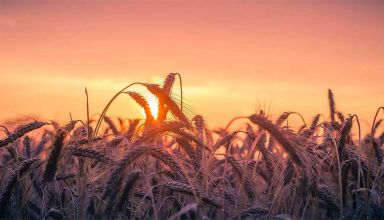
column 234, row 56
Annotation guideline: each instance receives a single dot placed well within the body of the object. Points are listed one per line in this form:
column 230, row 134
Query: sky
column 235, row 57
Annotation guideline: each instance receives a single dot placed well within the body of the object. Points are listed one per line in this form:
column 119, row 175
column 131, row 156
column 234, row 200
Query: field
column 171, row 166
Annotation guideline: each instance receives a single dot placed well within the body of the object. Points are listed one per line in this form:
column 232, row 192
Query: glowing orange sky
column 234, row 56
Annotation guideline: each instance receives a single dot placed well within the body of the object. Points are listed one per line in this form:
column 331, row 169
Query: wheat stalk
column 90, row 153
column 132, row 178
column 132, row 155
column 167, row 87
column 144, row 104
column 184, row 188
column 27, row 146
column 332, row 107
column 54, row 157
column 13, row 179
column 173, row 107
column 111, row 125
column 19, row 132
column 245, row 178
column 281, row 137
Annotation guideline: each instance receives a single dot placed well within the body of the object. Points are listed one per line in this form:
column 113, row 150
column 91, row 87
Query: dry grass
column 177, row 168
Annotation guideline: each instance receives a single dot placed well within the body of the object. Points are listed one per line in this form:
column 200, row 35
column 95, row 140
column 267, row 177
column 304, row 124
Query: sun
column 153, row 103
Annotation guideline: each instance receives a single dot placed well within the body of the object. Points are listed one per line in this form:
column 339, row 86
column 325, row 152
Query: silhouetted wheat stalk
column 19, row 132
column 280, row 136
column 177, row 168
column 12, row 180
column 54, row 157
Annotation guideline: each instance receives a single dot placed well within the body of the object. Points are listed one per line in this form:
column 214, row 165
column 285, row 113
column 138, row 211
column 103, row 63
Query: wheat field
column 172, row 166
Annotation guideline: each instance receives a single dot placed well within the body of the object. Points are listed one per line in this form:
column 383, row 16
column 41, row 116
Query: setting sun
column 153, row 103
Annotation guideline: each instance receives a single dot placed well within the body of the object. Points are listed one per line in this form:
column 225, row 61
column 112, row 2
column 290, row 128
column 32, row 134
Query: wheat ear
column 54, row 157
column 21, row 131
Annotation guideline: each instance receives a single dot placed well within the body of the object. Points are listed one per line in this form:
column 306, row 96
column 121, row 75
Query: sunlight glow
column 153, row 103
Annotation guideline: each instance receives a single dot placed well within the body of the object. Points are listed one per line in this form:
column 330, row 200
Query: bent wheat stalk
column 280, row 136
column 21, row 131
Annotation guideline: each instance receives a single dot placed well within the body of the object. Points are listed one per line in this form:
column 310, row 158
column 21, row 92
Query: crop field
column 170, row 165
